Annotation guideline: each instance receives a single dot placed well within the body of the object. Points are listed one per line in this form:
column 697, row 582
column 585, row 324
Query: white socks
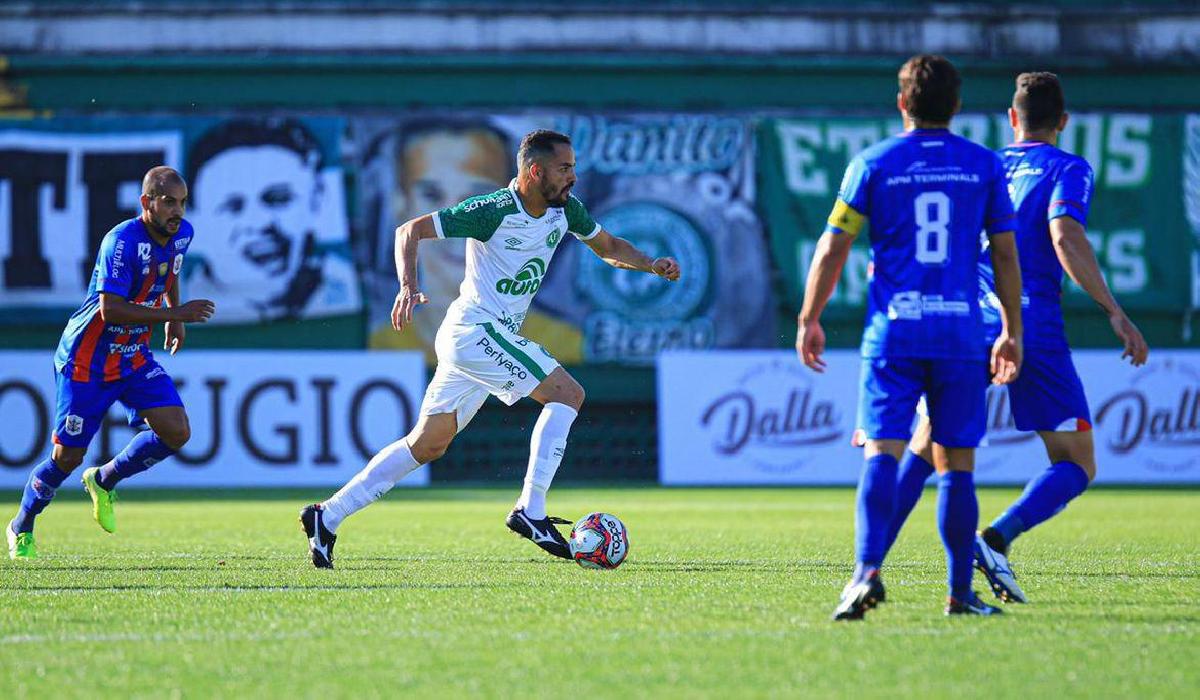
column 387, row 467
column 546, row 448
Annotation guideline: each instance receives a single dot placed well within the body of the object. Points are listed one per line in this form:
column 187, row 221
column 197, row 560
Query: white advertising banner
column 258, row 418
column 762, row 418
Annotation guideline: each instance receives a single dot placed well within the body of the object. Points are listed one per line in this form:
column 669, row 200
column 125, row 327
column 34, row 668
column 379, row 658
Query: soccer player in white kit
column 512, row 235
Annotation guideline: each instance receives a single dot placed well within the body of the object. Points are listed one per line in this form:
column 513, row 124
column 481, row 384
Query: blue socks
column 143, row 451
column 1045, row 496
column 876, row 503
column 914, row 472
column 39, row 490
column 958, row 516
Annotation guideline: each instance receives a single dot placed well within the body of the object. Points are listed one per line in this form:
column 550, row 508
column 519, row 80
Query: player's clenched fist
column 666, row 267
column 195, row 311
column 402, row 309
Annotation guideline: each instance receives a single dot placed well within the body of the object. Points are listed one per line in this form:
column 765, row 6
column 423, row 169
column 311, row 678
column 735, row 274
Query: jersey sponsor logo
column 74, row 424
column 527, row 280
column 512, row 243
column 144, row 252
column 502, row 359
column 913, row 306
column 182, row 243
column 500, row 199
column 554, row 237
column 124, row 349
column 177, row 265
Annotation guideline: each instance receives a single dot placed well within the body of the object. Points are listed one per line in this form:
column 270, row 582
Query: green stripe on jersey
column 517, row 354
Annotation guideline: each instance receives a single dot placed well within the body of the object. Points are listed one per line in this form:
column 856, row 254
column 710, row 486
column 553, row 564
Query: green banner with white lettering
column 1147, row 170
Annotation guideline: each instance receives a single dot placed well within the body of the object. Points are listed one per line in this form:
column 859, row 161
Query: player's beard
column 165, row 227
column 556, row 197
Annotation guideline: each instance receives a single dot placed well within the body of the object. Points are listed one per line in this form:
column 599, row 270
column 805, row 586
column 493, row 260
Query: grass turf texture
column 726, row 593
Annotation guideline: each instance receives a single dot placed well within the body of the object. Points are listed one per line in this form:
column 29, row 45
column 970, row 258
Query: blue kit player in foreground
column 927, row 194
column 1051, row 190
column 104, row 357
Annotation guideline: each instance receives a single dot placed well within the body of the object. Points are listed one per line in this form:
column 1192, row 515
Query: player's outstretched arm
column 823, row 275
column 117, row 309
column 408, row 236
column 622, row 254
column 1079, row 260
column 1008, row 351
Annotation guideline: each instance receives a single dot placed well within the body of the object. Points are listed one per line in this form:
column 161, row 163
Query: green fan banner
column 1146, row 182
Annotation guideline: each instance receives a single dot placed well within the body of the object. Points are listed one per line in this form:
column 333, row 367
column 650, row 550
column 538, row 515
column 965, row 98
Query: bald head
column 159, row 180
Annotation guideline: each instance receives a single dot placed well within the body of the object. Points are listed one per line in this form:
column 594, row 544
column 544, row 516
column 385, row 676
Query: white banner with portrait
column 258, row 418
column 762, row 418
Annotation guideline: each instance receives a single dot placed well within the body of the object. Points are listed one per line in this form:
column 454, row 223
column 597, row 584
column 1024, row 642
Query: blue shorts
column 955, row 393
column 1047, row 395
column 83, row 405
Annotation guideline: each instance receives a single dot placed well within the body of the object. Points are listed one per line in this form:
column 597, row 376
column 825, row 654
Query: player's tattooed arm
column 118, row 309
column 1079, row 260
column 620, row 253
column 1008, row 350
column 823, row 274
column 408, row 236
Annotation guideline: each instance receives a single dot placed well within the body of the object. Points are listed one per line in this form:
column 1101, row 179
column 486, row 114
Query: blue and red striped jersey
column 132, row 265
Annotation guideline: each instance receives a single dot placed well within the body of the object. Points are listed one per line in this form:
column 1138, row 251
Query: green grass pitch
column 726, row 593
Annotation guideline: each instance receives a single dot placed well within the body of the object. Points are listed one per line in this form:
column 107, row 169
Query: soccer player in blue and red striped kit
column 104, row 357
column 927, row 195
column 1051, row 191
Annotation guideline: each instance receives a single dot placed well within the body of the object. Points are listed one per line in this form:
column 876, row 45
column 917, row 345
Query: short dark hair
column 1038, row 101
column 235, row 133
column 930, row 87
column 159, row 178
column 539, row 144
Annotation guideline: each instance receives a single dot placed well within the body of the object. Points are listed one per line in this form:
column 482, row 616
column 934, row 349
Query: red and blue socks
column 144, row 451
column 39, row 491
column 958, row 516
column 914, row 472
column 876, row 502
column 1044, row 496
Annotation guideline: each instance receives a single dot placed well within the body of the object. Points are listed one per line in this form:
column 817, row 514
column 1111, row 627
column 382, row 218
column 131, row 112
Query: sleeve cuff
column 111, row 287
column 1070, row 209
column 437, row 224
column 589, row 236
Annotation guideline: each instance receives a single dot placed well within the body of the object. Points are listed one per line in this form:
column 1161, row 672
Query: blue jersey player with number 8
column 1051, row 192
column 927, row 195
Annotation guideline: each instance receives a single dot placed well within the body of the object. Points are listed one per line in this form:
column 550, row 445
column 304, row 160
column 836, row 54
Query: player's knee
column 176, row 435
column 68, row 459
column 429, row 450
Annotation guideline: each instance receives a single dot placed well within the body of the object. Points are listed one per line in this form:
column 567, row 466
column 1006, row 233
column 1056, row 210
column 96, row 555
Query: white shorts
column 480, row 359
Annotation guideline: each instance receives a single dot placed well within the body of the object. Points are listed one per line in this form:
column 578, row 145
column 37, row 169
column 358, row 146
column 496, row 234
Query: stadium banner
column 1137, row 224
column 267, row 200
column 681, row 185
column 762, row 418
column 258, row 418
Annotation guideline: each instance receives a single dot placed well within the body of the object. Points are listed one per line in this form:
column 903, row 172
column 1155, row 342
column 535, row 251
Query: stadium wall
column 1134, row 124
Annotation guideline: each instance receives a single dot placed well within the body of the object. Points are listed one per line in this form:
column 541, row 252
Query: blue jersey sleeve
column 851, row 208
column 999, row 217
column 115, row 261
column 1072, row 193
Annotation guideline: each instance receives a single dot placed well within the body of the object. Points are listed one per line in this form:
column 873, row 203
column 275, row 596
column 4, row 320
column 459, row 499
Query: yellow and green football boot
column 20, row 544
column 102, row 501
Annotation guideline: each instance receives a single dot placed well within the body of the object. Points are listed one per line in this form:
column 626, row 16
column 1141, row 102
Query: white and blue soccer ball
column 599, row 541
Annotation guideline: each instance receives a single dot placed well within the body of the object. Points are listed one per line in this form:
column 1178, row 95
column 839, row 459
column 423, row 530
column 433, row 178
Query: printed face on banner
column 435, row 164
column 260, row 200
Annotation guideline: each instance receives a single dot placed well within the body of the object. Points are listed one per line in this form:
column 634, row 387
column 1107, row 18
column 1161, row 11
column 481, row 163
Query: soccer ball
column 599, row 541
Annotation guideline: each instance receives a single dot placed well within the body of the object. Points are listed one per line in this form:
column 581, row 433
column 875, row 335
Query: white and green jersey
column 507, row 252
